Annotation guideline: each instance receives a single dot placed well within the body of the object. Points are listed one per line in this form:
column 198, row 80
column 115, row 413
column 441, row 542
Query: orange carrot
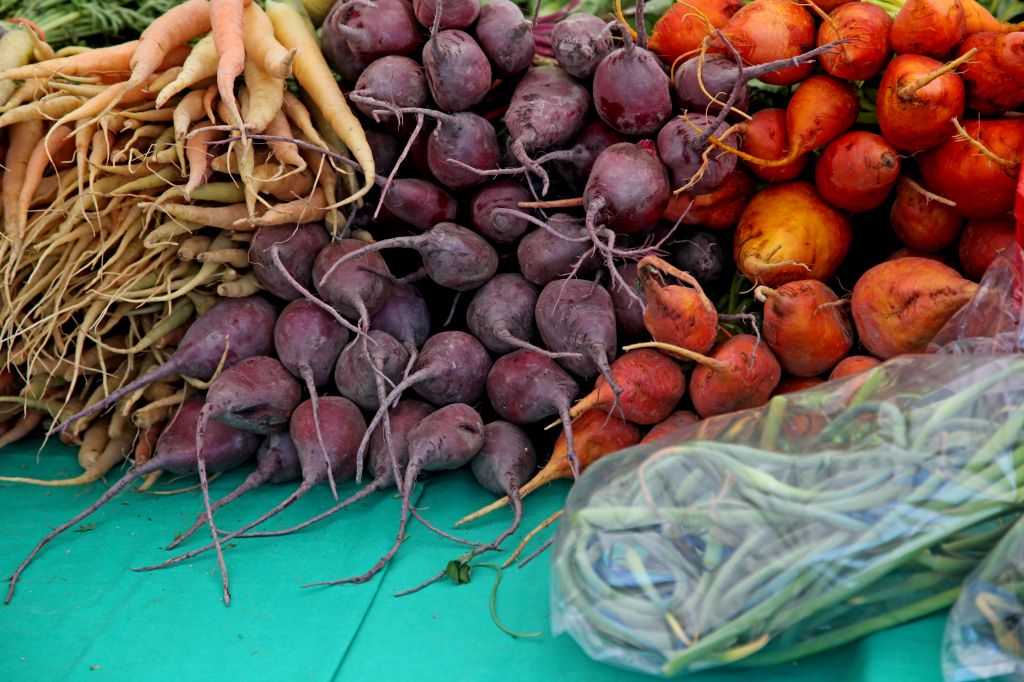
column 41, row 157
column 24, row 139
column 197, row 152
column 226, row 26
column 174, row 27
column 286, row 152
column 596, row 434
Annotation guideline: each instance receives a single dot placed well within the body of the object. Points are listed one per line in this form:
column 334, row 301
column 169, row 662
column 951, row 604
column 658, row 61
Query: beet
column 232, row 330
column 296, row 247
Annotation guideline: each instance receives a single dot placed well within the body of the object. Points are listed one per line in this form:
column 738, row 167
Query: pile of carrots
column 130, row 192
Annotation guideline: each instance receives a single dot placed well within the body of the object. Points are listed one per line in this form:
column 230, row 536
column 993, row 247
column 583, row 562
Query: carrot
column 293, row 28
column 174, row 27
column 24, row 139
column 22, row 427
column 197, row 151
column 41, row 156
column 226, row 26
column 286, row 152
column 261, row 46
column 51, row 108
column 266, row 97
column 200, row 65
column 15, row 51
column 188, row 110
column 596, row 434
column 111, row 454
column 652, row 383
column 268, row 178
column 297, row 212
column 91, row 63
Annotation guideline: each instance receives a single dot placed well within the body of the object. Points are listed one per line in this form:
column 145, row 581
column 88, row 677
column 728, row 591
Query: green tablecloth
column 79, row 613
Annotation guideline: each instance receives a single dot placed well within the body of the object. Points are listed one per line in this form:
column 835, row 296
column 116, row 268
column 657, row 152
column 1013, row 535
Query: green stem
column 494, row 597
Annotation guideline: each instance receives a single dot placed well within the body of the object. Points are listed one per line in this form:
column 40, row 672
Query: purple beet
column 629, row 312
column 344, row 426
column 577, row 316
column 458, row 72
column 224, row 448
column 232, row 330
column 547, row 109
column 296, row 247
column 308, row 341
column 363, row 360
column 420, row 204
column 453, row 256
column 454, row 13
column 549, row 254
column 505, row 36
column 374, row 29
column 498, row 228
column 384, row 460
column 386, row 149
column 501, row 314
column 628, row 188
column 525, row 387
column 631, row 90
column 338, row 54
column 579, row 43
column 594, row 137
column 394, row 79
column 443, row 440
column 356, row 287
column 696, row 166
column 405, row 316
column 256, row 394
column 276, row 462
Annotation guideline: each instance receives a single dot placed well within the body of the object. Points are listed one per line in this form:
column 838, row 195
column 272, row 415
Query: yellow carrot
column 293, row 28
column 201, row 64
column 91, row 63
column 15, row 50
column 262, row 47
column 54, row 107
column 265, row 97
column 304, row 210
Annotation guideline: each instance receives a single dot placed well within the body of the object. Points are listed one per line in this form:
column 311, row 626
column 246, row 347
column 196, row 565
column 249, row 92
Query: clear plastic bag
column 984, row 639
column 771, row 534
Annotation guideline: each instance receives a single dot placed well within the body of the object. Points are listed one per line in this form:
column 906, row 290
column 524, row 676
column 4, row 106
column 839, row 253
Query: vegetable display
column 371, row 239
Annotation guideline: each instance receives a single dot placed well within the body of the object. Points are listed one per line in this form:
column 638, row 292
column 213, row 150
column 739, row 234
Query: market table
column 80, row 613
